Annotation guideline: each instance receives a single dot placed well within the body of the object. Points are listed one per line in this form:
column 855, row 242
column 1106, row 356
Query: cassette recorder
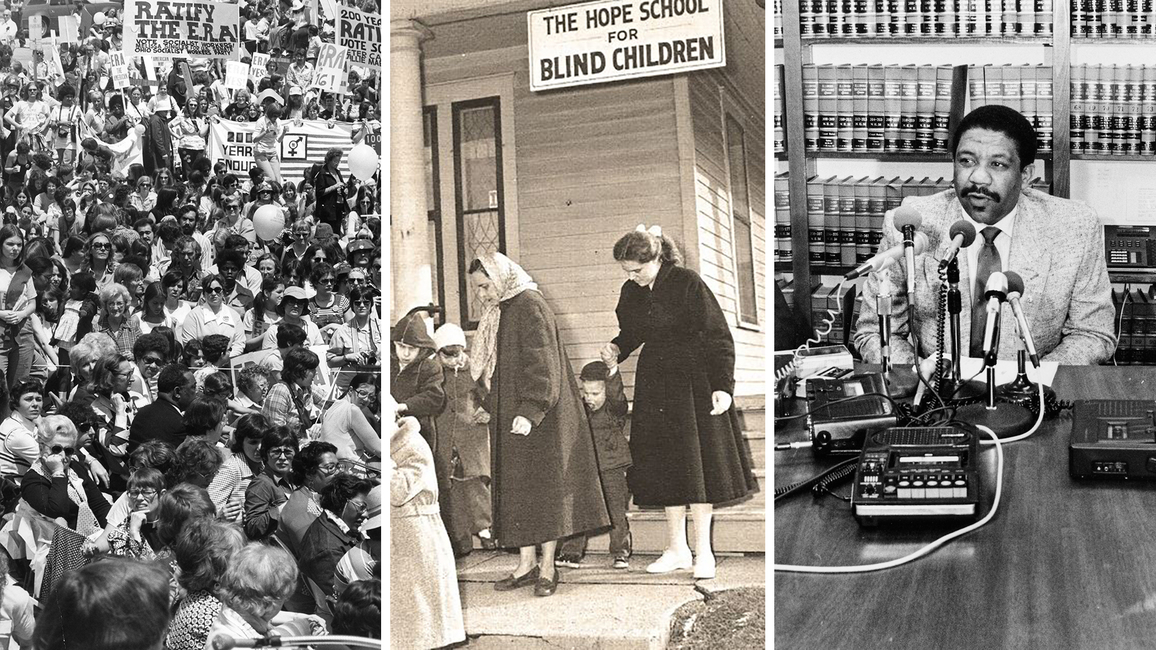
column 841, row 412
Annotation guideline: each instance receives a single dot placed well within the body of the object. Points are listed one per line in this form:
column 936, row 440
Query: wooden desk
column 1063, row 564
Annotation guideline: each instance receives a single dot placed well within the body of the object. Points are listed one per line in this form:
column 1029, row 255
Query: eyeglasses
column 153, row 361
column 358, row 506
column 328, row 281
column 56, row 449
column 144, row 185
column 101, row 246
column 232, row 208
column 328, row 468
column 283, row 452
column 212, row 290
column 147, row 493
column 364, row 394
column 361, row 302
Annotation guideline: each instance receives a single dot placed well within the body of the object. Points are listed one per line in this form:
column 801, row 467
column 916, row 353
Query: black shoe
column 513, row 582
column 547, row 586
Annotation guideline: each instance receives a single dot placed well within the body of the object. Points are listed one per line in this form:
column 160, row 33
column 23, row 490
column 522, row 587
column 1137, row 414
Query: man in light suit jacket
column 1056, row 245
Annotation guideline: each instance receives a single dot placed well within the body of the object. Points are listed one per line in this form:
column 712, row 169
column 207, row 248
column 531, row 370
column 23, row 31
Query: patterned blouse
column 191, row 624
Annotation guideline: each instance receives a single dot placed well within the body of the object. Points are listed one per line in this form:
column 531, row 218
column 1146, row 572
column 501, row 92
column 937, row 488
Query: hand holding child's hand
column 521, row 426
column 609, row 354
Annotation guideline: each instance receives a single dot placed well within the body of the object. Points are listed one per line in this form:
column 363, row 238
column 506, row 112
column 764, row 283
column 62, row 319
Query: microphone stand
column 1005, row 419
column 953, row 387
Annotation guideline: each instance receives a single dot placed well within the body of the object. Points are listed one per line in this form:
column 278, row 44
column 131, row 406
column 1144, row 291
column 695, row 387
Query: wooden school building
column 552, row 177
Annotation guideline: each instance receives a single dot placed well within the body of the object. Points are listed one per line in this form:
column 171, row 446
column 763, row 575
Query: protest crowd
column 190, row 323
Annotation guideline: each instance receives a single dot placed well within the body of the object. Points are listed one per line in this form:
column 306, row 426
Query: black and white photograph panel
column 578, row 324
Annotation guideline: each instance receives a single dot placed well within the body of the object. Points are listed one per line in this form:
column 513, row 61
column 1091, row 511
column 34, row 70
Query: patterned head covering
column 510, row 280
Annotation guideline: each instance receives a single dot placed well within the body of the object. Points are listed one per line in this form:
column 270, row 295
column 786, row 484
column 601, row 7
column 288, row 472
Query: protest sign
column 236, row 75
column 118, row 69
column 57, row 66
column 69, row 28
column 257, row 70
column 185, row 28
column 125, row 153
column 361, row 33
column 328, row 9
column 330, row 73
column 232, row 143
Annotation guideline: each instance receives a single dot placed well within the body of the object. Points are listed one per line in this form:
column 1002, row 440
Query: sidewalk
column 594, row 607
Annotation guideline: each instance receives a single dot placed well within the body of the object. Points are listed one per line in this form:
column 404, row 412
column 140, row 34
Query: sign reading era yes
column 612, row 40
column 360, row 32
column 181, row 28
column 330, row 75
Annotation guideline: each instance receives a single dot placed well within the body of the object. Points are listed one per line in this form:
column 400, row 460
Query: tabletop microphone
column 907, row 221
column 962, row 235
column 1015, row 289
column 995, row 292
column 883, row 258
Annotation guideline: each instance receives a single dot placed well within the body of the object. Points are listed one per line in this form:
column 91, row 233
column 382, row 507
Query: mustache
column 982, row 191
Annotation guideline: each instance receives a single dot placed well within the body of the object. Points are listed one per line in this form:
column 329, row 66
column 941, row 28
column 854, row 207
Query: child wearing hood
column 415, row 376
column 464, row 452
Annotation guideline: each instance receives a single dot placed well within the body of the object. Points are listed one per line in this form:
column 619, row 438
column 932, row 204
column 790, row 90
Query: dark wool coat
column 682, row 454
column 419, row 387
column 546, row 484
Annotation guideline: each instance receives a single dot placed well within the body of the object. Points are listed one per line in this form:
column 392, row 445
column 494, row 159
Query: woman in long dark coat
column 685, row 439
column 545, row 475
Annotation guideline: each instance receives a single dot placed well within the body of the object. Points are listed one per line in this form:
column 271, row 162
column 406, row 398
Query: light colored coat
column 1057, row 247
column 425, row 608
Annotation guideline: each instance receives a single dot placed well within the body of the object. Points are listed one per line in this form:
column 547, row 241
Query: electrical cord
column 1120, row 320
column 787, row 490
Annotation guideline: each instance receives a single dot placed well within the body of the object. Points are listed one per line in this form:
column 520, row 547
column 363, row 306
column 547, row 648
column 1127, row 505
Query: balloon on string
column 139, row 128
column 363, row 162
column 268, row 221
column 98, row 18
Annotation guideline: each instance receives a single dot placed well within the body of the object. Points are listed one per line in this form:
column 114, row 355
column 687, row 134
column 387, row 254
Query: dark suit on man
column 158, row 421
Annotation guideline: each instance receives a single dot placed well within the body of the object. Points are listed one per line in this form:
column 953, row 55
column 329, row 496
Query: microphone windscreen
column 996, row 282
column 906, row 215
column 921, row 242
column 964, row 228
column 1015, row 284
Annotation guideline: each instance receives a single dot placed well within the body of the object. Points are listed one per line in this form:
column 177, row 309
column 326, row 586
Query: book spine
column 976, row 90
column 811, row 107
column 1029, row 95
column 783, row 218
column 815, row 223
column 939, row 133
column 859, row 108
column 1133, row 107
column 845, row 96
column 1044, row 107
column 1079, row 16
column 876, row 122
column 828, row 108
column 1148, row 113
column 911, row 17
column 778, row 143
column 1078, row 118
column 834, row 18
column 1043, row 26
column 862, row 220
column 876, row 206
column 1010, row 87
column 847, row 223
column 925, row 108
column 1132, row 19
column 909, row 92
column 831, row 256
column 892, row 107
column 1095, row 110
column 864, row 18
column 806, row 19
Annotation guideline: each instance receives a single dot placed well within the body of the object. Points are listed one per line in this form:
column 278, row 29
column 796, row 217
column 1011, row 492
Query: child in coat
column 606, row 408
column 464, row 446
column 415, row 376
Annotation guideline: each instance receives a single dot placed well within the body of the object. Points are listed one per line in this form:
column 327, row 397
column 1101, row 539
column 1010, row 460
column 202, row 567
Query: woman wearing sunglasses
column 327, row 308
column 212, row 316
column 355, row 345
column 98, row 259
column 57, row 485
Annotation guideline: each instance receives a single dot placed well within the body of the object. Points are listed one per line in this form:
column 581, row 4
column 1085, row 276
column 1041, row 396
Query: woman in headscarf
column 685, row 439
column 545, row 475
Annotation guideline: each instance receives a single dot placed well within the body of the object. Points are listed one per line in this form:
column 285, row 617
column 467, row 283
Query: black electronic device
column 918, row 473
column 1113, row 439
column 837, row 422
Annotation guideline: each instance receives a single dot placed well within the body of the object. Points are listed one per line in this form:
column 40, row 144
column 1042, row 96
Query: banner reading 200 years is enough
column 189, row 28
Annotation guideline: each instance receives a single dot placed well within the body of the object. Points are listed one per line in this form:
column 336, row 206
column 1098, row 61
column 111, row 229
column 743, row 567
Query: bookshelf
column 978, row 28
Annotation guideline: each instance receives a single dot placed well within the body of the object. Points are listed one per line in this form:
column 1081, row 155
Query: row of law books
column 777, row 137
column 876, row 108
column 1113, row 19
column 1136, row 319
column 1113, row 110
column 1026, row 88
column 826, row 296
column 777, row 27
column 924, row 18
column 845, row 216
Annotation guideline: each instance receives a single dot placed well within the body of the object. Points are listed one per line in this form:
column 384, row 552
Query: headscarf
column 510, row 280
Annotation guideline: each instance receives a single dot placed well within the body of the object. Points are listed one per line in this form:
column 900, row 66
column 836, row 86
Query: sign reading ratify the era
column 192, row 28
column 612, row 40
column 361, row 33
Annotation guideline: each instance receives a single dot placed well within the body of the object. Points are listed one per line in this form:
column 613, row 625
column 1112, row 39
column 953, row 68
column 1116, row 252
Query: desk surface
column 1063, row 564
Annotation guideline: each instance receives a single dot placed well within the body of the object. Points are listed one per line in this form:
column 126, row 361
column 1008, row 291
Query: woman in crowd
column 335, row 531
column 17, row 620
column 358, row 610
column 346, row 426
column 355, row 346
column 264, row 313
column 212, row 316
column 327, row 309
column 19, row 444
column 545, row 475
column 314, row 468
column 253, row 589
column 270, row 489
column 685, row 439
column 85, row 355
column 242, row 464
column 57, row 485
column 98, row 259
column 175, row 308
column 267, row 142
column 18, row 295
column 144, row 199
column 425, row 606
column 124, row 536
column 129, row 275
column 289, row 401
column 190, row 129
column 331, row 188
column 116, row 317
column 109, row 387
column 153, row 312
column 203, row 552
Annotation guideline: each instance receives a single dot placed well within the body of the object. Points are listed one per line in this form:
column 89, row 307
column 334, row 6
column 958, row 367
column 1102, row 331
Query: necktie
column 988, row 263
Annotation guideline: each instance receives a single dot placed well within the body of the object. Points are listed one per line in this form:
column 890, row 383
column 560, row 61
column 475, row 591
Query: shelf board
column 937, row 39
column 1110, row 157
column 1148, row 40
column 883, row 156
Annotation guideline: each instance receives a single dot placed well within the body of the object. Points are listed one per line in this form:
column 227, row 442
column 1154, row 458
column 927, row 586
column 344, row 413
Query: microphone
column 1014, row 291
column 907, row 221
column 883, row 258
column 962, row 235
column 996, row 293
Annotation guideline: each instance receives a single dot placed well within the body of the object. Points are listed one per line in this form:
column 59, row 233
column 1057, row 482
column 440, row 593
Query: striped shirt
column 18, row 448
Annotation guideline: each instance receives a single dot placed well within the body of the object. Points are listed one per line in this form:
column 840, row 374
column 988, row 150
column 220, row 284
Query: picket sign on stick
column 119, row 70
column 236, row 75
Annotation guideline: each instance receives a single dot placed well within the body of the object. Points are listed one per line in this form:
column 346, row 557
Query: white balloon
column 363, row 162
column 139, row 128
column 98, row 18
column 268, row 221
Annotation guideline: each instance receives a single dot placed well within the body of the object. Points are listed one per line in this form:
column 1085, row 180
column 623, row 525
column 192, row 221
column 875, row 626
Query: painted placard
column 257, row 70
column 69, row 28
column 182, row 28
column 118, row 69
column 330, row 74
column 236, row 75
column 613, row 40
column 361, row 33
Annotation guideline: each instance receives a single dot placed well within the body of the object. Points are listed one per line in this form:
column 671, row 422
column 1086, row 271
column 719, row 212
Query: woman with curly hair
column 203, row 552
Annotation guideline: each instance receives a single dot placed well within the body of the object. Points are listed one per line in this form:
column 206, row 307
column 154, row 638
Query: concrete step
column 754, row 419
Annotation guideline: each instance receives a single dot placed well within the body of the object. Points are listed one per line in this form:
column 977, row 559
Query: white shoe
column 671, row 561
column 704, row 567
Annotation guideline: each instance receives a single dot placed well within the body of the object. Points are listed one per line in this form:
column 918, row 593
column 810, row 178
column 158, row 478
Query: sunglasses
column 212, row 290
column 326, row 281
column 328, row 469
column 153, row 361
column 100, row 246
column 358, row 303
column 285, row 453
column 144, row 185
column 56, row 449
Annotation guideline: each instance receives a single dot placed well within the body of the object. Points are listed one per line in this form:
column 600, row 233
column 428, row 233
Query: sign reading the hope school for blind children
column 360, row 32
column 612, row 40
column 181, row 28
